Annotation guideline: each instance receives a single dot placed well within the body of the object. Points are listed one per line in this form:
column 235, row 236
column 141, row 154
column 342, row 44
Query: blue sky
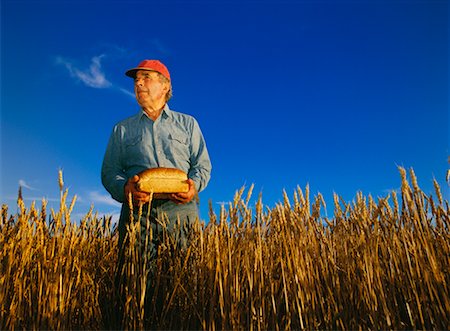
column 334, row 94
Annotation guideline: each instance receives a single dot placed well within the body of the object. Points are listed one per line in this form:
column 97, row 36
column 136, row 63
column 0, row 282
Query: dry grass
column 381, row 264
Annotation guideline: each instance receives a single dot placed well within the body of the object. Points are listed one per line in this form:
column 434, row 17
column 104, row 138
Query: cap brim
column 132, row 72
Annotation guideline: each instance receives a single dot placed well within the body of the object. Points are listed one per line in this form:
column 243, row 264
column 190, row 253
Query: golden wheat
column 374, row 265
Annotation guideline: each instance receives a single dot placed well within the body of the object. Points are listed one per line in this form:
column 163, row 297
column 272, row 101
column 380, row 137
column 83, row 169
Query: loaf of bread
column 163, row 180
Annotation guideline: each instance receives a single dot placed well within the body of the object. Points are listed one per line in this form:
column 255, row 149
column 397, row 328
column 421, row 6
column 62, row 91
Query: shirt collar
column 166, row 112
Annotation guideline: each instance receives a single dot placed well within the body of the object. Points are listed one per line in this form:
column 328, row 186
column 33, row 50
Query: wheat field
column 375, row 264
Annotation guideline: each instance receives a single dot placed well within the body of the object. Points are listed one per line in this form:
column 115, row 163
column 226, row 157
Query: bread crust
column 163, row 180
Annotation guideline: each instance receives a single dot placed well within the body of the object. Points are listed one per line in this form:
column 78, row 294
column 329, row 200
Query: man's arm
column 113, row 177
column 200, row 171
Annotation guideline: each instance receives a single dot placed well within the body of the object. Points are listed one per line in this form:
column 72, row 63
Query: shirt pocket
column 178, row 138
column 133, row 151
column 178, row 146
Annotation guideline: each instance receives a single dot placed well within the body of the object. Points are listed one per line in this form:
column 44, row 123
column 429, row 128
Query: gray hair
column 163, row 79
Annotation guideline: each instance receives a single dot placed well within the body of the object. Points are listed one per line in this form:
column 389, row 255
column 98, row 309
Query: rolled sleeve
column 200, row 170
column 113, row 176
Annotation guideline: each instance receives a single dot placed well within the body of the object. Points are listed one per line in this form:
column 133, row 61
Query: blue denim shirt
column 137, row 143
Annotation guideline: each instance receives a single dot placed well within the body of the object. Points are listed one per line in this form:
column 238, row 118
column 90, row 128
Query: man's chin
column 140, row 101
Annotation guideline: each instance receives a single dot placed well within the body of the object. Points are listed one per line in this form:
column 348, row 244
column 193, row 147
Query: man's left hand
column 181, row 198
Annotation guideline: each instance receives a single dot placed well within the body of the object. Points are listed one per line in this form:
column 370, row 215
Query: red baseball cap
column 152, row 65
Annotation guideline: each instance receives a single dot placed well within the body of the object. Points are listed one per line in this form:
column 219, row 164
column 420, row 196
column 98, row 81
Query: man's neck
column 153, row 112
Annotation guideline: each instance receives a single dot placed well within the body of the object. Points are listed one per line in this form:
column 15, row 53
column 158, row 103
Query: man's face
column 149, row 87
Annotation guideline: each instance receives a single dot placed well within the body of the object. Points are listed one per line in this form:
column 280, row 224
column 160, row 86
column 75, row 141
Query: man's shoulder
column 177, row 114
column 182, row 118
column 129, row 120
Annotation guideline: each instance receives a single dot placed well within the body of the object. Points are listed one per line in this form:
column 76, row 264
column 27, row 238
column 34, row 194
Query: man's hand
column 139, row 197
column 181, row 198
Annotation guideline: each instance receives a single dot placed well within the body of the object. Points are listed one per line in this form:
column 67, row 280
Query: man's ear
column 167, row 87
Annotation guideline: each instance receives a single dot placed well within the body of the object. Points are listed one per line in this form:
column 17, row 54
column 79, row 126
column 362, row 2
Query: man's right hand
column 138, row 196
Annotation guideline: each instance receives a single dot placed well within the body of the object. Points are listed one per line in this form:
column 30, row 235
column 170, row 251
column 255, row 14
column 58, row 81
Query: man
column 155, row 137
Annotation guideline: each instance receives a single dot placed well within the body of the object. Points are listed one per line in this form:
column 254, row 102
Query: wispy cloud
column 105, row 199
column 126, row 92
column 38, row 198
column 92, row 76
column 23, row 184
column 223, row 203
